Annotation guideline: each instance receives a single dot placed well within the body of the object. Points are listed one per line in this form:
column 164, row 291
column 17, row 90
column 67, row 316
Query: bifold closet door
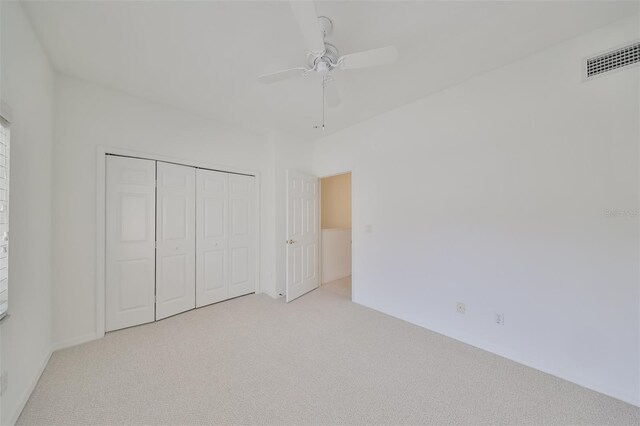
column 225, row 242
column 175, row 239
column 212, row 238
column 241, row 235
column 130, row 241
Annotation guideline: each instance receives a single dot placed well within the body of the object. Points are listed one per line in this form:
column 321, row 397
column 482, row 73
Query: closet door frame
column 101, row 169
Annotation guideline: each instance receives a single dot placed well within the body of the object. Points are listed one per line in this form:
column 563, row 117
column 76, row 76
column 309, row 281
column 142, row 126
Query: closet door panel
column 130, row 242
column 212, row 272
column 175, row 236
column 241, row 235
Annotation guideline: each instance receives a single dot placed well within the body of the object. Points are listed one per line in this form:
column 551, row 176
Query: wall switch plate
column 499, row 319
column 461, row 308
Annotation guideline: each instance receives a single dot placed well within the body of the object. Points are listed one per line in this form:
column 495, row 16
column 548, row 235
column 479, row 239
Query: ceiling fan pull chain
column 318, row 127
column 324, row 80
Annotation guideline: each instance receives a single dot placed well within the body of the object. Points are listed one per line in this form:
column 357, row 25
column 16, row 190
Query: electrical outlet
column 4, row 382
column 499, row 319
column 461, row 308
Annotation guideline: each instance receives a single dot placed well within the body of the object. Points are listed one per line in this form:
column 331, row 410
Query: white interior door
column 130, row 241
column 303, row 224
column 212, row 237
column 241, row 235
column 175, row 239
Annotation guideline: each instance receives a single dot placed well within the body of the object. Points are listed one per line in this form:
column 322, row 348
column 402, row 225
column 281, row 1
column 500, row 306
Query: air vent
column 615, row 59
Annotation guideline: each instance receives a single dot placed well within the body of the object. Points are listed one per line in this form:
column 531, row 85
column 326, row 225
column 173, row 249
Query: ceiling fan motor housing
column 329, row 57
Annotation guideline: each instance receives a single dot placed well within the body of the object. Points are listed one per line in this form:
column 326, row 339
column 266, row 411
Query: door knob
column 291, row 242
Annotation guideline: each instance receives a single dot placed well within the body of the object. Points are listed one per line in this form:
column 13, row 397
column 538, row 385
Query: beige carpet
column 318, row 360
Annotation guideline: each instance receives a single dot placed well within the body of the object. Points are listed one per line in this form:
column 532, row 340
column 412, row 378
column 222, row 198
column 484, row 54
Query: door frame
column 353, row 237
column 101, row 158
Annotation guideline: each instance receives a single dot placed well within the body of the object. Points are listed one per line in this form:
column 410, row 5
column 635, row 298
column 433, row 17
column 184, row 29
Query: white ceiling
column 205, row 56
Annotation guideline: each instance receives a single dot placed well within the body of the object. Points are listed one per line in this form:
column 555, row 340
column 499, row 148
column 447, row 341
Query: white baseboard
column 23, row 401
column 56, row 346
column 624, row 395
column 333, row 278
column 270, row 294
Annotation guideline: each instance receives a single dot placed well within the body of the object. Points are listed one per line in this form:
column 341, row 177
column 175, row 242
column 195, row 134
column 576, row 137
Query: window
column 4, row 217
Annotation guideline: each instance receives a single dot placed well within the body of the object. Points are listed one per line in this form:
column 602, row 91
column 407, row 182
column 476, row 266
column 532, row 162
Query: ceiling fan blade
column 281, row 75
column 331, row 93
column 305, row 13
column 369, row 58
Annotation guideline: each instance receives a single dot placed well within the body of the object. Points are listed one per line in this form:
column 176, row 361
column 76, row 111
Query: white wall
column 493, row 193
column 335, row 198
column 27, row 86
column 88, row 116
column 336, row 254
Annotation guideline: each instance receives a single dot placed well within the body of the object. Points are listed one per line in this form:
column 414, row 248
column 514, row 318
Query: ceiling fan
column 323, row 58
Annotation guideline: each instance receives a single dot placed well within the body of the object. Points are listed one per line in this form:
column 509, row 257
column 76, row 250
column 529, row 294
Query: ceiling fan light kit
column 326, row 62
column 323, row 57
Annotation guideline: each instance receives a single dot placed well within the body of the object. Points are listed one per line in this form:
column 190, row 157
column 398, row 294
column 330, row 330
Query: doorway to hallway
column 336, row 237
